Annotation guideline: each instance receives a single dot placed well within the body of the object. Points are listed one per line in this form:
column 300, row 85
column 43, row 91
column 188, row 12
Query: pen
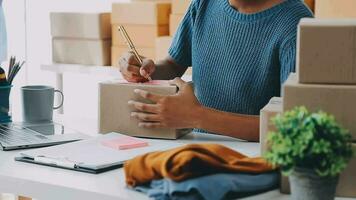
column 54, row 162
column 131, row 46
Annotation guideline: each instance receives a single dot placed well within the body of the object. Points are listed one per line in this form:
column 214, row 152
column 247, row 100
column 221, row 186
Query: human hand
column 132, row 70
column 175, row 111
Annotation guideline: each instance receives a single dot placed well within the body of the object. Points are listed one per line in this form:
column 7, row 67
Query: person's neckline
column 254, row 16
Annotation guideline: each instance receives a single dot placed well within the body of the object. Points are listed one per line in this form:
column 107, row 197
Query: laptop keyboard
column 18, row 135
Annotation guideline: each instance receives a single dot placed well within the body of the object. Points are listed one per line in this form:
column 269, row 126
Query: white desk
column 46, row 183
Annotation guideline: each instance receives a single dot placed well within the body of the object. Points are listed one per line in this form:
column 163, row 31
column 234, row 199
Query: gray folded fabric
column 212, row 187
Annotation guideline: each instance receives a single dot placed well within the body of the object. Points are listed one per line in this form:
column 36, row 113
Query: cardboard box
column 81, row 25
column 274, row 107
column 338, row 100
column 327, row 51
column 174, row 22
column 118, row 51
column 162, row 46
column 335, row 8
column 346, row 186
column 114, row 111
column 141, row 12
column 86, row 52
column 141, row 35
column 180, row 6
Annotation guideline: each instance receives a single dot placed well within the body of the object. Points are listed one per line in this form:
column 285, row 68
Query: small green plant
column 309, row 140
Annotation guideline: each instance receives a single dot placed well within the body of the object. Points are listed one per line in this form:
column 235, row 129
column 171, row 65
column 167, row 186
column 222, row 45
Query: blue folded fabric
column 212, row 187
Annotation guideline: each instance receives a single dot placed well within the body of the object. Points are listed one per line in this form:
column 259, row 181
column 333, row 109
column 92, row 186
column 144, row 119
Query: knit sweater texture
column 239, row 60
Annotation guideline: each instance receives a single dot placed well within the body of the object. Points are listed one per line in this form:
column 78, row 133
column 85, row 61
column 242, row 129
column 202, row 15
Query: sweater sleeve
column 287, row 57
column 181, row 47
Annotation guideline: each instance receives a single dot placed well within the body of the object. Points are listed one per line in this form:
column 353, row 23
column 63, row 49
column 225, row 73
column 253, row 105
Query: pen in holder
column 5, row 108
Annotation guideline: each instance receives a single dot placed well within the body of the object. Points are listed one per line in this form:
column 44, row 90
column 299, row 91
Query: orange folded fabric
column 190, row 161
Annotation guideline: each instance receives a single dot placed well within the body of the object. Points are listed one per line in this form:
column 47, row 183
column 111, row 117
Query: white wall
column 80, row 90
column 15, row 23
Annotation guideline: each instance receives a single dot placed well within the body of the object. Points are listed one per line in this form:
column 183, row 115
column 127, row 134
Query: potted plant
column 313, row 149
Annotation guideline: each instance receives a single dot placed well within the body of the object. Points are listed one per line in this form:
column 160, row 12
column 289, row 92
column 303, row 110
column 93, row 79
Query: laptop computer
column 15, row 136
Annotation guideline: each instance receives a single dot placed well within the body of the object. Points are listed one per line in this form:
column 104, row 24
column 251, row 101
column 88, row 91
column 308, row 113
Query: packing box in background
column 335, row 8
column 327, row 51
column 141, row 35
column 118, row 51
column 274, row 107
column 81, row 25
column 180, row 6
column 141, row 12
column 85, row 52
column 174, row 22
column 162, row 46
column 114, row 111
column 338, row 100
column 346, row 186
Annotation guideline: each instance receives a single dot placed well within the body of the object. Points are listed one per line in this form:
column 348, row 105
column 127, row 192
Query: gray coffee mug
column 37, row 103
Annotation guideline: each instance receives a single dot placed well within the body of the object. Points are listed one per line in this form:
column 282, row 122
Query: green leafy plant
column 309, row 140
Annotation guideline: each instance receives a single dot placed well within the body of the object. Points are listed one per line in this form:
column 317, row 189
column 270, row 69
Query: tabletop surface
column 43, row 182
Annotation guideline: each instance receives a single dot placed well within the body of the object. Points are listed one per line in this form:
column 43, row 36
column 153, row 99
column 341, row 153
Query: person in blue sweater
column 241, row 52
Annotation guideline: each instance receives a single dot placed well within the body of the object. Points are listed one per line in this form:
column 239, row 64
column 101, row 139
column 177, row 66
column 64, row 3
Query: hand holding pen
column 133, row 58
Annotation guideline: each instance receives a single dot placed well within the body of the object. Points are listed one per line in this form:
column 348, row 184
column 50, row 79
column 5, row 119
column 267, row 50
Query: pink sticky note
column 124, row 142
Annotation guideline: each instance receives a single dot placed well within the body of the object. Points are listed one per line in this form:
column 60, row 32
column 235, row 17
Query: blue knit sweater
column 239, row 60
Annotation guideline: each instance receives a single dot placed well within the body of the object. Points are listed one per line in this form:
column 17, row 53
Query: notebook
column 95, row 155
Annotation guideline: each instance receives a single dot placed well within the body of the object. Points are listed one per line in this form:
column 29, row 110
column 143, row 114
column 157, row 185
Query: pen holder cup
column 5, row 111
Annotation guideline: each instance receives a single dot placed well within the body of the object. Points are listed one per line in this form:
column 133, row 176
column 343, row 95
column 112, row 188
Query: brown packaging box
column 114, row 111
column 335, row 8
column 338, row 100
column 141, row 12
column 118, row 51
column 274, row 107
column 174, row 22
column 162, row 46
column 81, row 25
column 141, row 35
column 327, row 51
column 346, row 186
column 180, row 6
column 85, row 52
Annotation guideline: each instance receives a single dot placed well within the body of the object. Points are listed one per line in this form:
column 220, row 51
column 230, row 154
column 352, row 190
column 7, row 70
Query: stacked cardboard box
column 144, row 21
column 326, row 80
column 326, row 51
column 81, row 38
column 273, row 108
column 335, row 8
column 179, row 8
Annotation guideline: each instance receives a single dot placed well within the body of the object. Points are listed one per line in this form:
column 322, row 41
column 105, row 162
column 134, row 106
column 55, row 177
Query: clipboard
column 90, row 156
